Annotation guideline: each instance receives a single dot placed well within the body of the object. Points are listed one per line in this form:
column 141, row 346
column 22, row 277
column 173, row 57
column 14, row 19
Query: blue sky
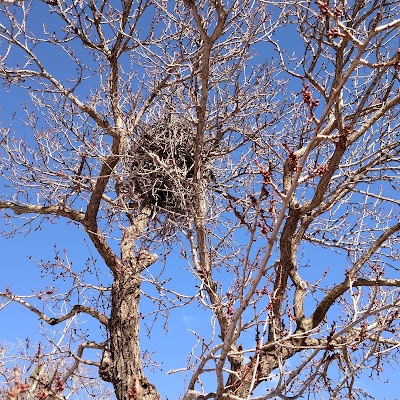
column 19, row 272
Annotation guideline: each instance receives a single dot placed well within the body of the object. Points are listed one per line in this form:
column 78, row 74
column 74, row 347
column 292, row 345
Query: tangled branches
column 159, row 166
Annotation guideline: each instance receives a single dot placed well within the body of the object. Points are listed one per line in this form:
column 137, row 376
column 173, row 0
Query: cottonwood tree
column 258, row 140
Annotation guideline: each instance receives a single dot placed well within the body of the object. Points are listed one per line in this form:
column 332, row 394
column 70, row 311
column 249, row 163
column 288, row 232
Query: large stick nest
column 159, row 166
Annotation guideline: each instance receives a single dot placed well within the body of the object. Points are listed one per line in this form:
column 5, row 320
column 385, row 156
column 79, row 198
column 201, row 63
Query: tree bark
column 127, row 375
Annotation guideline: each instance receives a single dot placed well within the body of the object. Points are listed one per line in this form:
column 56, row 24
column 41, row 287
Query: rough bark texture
column 127, row 375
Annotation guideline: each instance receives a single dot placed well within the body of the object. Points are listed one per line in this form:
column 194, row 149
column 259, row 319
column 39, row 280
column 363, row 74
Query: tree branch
column 59, row 209
column 318, row 315
column 76, row 309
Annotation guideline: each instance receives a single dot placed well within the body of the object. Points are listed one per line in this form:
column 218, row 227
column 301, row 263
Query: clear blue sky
column 172, row 347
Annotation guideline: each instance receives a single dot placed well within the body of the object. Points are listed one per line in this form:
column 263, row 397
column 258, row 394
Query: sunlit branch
column 76, row 309
column 351, row 279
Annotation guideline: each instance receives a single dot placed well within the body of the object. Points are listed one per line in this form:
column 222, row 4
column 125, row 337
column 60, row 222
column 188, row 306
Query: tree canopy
column 232, row 160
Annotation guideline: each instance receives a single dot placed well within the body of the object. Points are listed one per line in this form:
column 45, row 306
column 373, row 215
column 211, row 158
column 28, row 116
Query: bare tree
column 254, row 138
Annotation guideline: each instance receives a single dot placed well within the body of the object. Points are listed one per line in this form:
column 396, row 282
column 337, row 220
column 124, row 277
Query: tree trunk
column 127, row 375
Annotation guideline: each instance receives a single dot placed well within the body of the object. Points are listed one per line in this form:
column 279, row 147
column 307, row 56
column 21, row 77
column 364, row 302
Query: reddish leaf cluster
column 320, row 170
column 294, row 165
column 308, row 99
column 341, row 140
column 264, row 229
column 265, row 172
column 334, row 33
column 337, row 12
column 239, row 215
column 19, row 387
column 8, row 291
column 325, row 10
column 59, row 384
column 43, row 293
column 229, row 306
column 262, row 292
column 43, row 394
column 47, row 391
